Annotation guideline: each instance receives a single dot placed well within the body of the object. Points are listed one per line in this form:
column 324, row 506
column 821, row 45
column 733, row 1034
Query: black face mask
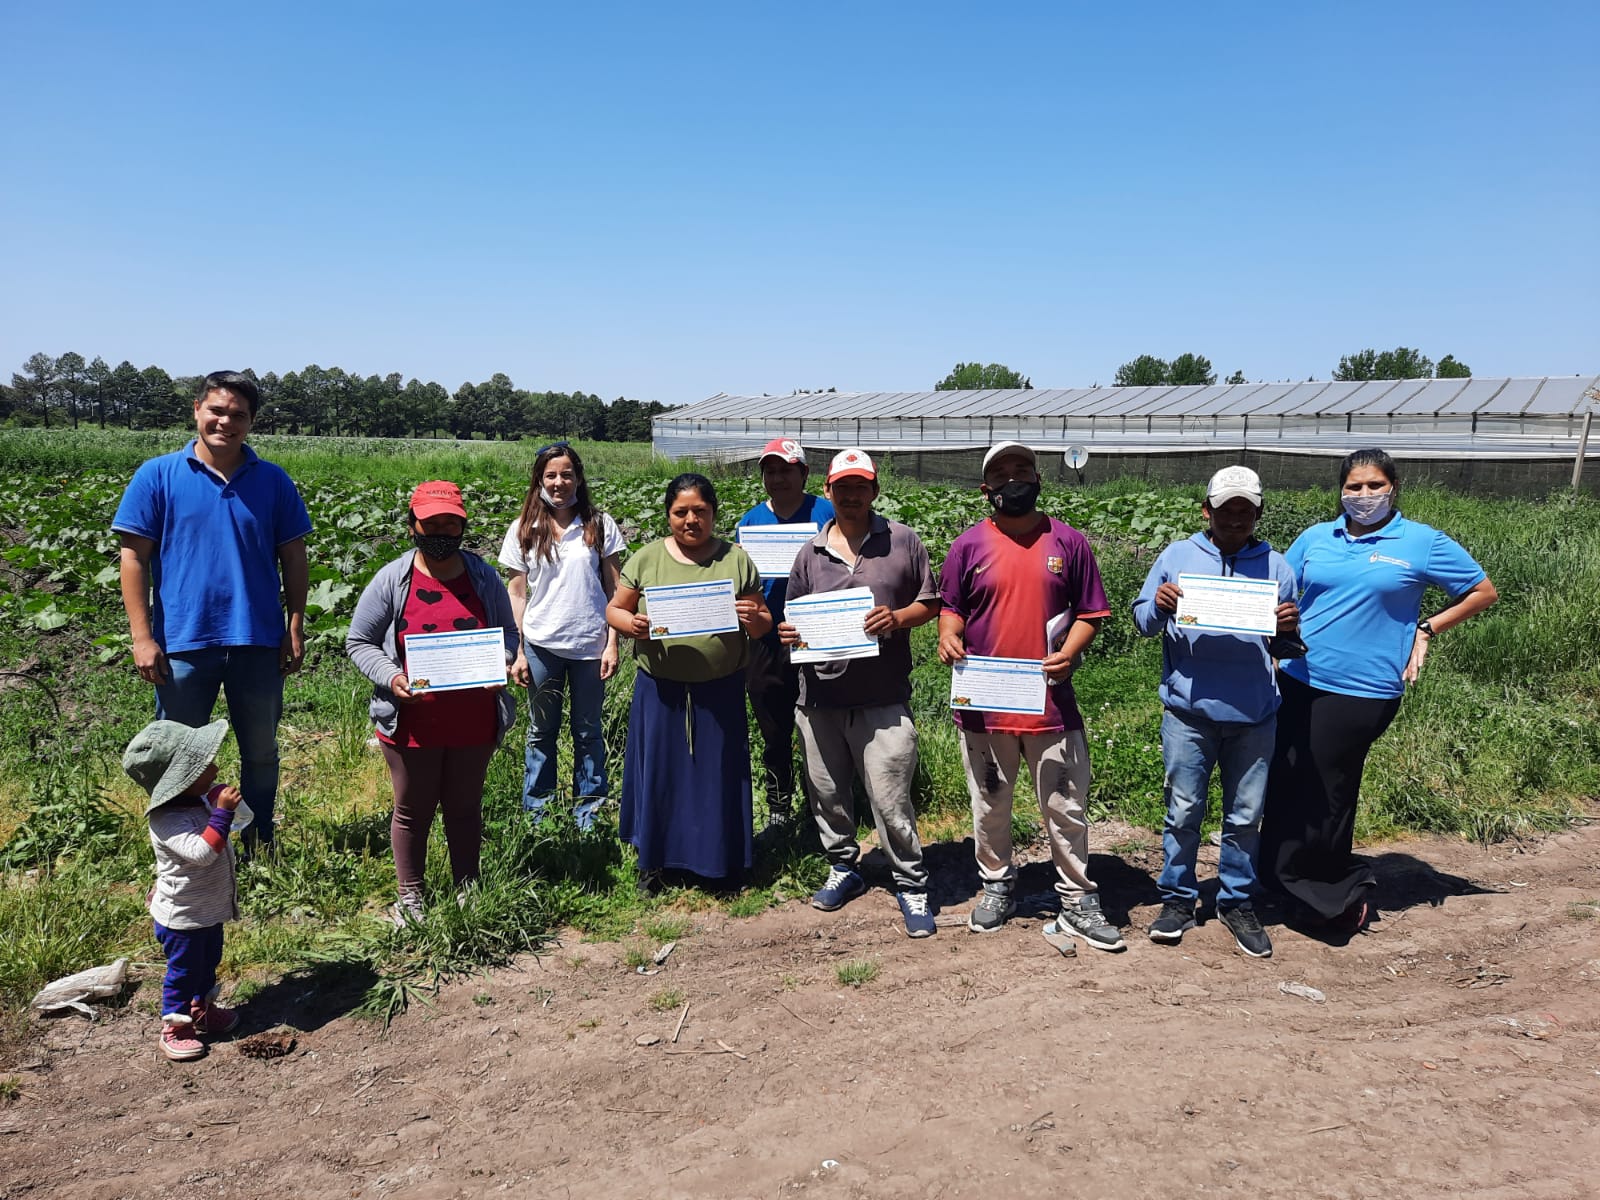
column 437, row 546
column 1016, row 498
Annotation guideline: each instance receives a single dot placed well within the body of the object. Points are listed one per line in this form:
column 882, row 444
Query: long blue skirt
column 686, row 776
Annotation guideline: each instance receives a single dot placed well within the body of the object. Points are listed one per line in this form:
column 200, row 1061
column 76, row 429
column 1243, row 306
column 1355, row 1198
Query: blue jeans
column 250, row 678
column 1190, row 746
column 552, row 675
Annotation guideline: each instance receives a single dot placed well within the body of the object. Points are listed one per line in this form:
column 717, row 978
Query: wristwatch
column 1426, row 627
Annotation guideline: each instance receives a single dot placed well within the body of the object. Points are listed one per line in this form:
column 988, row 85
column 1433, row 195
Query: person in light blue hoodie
column 1221, row 704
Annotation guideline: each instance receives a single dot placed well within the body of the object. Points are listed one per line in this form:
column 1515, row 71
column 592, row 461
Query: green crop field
column 1500, row 738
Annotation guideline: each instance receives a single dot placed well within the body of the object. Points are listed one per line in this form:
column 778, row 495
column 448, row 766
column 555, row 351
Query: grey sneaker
column 995, row 906
column 1245, row 926
column 1085, row 920
column 1175, row 921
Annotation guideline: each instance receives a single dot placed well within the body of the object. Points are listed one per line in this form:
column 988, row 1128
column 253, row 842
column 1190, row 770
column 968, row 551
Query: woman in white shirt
column 563, row 555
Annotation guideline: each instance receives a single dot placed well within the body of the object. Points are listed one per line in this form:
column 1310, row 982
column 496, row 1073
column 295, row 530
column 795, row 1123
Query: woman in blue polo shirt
column 1361, row 582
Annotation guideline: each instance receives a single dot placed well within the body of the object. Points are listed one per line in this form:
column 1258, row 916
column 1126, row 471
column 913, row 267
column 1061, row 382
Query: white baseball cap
column 1234, row 481
column 999, row 448
column 853, row 461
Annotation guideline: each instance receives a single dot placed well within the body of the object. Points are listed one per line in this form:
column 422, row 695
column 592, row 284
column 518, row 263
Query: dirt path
column 1457, row 1053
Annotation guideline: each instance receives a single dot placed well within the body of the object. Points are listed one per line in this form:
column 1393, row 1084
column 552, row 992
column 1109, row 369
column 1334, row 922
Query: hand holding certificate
column 773, row 547
column 831, row 626
column 1228, row 604
column 1010, row 685
column 452, row 661
column 690, row 609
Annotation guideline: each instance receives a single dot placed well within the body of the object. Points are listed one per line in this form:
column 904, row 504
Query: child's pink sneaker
column 212, row 1020
column 178, row 1040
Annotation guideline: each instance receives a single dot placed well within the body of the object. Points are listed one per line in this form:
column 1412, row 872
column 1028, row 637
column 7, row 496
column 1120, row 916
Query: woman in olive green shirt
column 686, row 772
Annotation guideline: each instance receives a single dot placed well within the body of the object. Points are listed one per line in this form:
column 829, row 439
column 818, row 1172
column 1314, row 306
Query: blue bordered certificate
column 1228, row 604
column 773, row 547
column 1009, row 685
column 830, row 625
column 690, row 609
column 455, row 659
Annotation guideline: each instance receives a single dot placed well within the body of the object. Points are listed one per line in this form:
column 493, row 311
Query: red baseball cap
column 785, row 448
column 436, row 498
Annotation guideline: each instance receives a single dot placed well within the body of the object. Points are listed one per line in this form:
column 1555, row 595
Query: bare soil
column 1457, row 1053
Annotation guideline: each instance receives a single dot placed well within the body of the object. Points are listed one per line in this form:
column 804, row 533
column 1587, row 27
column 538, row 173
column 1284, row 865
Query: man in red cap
column 855, row 713
column 771, row 680
column 214, row 582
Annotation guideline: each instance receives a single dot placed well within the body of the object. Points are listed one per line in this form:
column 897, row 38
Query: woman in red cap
column 437, row 745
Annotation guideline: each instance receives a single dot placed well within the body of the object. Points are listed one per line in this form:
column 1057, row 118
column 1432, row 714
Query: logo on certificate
column 1053, row 563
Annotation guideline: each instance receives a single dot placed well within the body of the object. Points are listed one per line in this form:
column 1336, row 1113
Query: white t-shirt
column 566, row 610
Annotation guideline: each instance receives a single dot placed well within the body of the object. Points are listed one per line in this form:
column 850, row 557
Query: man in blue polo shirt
column 770, row 678
column 205, row 533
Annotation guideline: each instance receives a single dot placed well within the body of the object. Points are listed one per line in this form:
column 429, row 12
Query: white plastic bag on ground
column 97, row 983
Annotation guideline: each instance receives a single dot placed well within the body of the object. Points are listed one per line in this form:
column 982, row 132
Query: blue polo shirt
column 1361, row 597
column 812, row 508
column 214, row 570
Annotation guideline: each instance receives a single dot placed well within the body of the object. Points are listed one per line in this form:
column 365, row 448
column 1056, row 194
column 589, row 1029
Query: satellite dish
column 1076, row 457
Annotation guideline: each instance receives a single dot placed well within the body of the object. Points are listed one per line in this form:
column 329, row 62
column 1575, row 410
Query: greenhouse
column 1508, row 434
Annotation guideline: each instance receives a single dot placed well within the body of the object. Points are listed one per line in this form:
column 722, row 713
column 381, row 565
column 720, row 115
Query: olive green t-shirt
column 704, row 657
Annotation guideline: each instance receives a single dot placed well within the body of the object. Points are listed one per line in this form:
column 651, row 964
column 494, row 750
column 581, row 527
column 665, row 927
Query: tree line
column 326, row 401
column 1195, row 370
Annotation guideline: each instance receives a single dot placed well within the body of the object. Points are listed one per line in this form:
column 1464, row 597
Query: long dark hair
column 537, row 533
column 1371, row 457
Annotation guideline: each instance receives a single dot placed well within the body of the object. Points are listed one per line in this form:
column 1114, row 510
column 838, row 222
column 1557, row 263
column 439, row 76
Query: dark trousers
column 428, row 780
column 1309, row 826
column 192, row 959
column 773, row 684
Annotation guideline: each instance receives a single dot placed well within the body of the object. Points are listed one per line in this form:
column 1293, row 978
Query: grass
column 857, row 972
column 667, row 999
column 1501, row 738
column 10, row 1089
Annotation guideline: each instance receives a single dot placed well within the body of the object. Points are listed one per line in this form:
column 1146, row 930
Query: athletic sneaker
column 918, row 915
column 995, row 906
column 408, row 907
column 1246, row 929
column 1175, row 921
column 1085, row 920
column 179, row 1043
column 843, row 886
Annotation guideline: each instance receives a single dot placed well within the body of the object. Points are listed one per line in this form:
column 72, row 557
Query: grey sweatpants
column 880, row 744
column 1059, row 764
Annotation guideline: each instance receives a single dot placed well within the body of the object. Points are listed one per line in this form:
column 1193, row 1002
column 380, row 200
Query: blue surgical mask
column 544, row 494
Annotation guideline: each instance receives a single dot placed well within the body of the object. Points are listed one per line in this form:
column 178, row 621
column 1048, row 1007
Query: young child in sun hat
column 190, row 816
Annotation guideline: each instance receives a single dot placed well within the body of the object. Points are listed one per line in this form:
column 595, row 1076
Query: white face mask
column 544, row 494
column 1369, row 508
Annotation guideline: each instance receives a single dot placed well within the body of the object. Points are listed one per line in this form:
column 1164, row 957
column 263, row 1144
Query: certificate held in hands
column 454, row 660
column 1228, row 604
column 690, row 609
column 831, row 626
column 1008, row 685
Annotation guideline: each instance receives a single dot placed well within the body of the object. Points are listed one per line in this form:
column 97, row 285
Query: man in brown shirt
column 854, row 715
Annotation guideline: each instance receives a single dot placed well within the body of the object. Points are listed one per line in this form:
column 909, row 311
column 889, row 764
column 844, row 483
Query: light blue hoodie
column 1219, row 676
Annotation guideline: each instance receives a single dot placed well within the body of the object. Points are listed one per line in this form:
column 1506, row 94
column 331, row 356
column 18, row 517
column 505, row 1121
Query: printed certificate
column 773, row 547
column 830, row 626
column 1013, row 685
column 688, row 609
column 455, row 659
column 1228, row 604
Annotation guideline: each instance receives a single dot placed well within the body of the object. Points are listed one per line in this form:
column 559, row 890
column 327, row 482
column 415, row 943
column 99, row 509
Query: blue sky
column 668, row 201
